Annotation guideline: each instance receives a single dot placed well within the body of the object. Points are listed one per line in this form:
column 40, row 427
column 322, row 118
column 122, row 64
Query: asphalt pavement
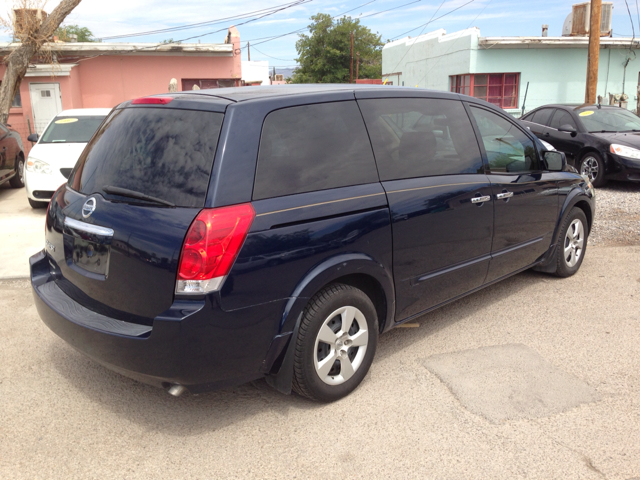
column 535, row 377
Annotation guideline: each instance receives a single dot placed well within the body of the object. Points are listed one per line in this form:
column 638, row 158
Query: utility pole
column 351, row 67
column 594, row 52
column 248, row 52
column 357, row 66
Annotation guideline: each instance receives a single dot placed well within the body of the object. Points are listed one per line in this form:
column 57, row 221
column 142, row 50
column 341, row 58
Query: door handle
column 547, row 134
column 504, row 195
column 483, row 199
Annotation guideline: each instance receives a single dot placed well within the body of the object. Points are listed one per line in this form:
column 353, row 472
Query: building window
column 17, row 100
column 501, row 89
column 205, row 83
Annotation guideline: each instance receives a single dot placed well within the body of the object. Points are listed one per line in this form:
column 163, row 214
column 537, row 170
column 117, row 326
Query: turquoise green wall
column 559, row 75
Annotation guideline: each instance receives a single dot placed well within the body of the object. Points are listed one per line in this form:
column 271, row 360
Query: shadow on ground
column 190, row 414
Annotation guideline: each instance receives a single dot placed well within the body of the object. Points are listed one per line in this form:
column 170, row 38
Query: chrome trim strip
column 321, row 203
column 437, row 186
column 87, row 227
column 516, row 247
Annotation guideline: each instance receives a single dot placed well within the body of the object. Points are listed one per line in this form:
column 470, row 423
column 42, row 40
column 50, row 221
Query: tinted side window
column 562, row 118
column 508, row 148
column 417, row 137
column 541, row 117
column 313, row 147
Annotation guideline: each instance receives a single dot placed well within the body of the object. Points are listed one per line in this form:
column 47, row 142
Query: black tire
column 322, row 311
column 574, row 225
column 36, row 204
column 592, row 165
column 18, row 180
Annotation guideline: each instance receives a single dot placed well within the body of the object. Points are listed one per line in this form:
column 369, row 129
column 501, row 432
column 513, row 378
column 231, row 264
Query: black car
column 11, row 157
column 214, row 237
column 602, row 141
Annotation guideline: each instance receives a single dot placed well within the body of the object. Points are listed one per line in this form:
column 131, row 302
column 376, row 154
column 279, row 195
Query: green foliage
column 170, row 40
column 64, row 33
column 324, row 55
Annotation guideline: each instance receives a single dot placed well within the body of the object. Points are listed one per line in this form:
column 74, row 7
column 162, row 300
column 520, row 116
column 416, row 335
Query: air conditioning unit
column 26, row 20
column 577, row 24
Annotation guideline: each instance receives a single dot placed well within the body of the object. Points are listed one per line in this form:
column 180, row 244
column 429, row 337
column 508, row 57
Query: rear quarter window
column 162, row 152
column 313, row 147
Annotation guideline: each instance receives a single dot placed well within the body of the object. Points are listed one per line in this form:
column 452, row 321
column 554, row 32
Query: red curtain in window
column 501, row 89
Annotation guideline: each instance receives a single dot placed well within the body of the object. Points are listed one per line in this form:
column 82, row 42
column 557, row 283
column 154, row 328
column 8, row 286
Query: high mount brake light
column 211, row 246
column 151, row 101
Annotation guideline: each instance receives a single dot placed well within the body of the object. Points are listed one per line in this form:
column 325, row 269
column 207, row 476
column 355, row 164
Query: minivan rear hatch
column 116, row 229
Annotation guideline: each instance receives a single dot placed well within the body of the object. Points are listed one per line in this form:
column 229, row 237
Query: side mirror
column 569, row 129
column 556, row 161
column 33, row 137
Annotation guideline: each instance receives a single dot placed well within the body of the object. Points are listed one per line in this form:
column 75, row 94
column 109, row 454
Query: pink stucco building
column 99, row 75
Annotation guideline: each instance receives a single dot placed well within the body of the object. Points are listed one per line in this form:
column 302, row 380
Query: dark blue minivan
column 214, row 237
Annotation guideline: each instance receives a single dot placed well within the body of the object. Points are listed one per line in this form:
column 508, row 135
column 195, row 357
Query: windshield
column 71, row 129
column 608, row 120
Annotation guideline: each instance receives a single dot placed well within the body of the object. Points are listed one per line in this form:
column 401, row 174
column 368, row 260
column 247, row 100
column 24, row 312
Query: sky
column 392, row 19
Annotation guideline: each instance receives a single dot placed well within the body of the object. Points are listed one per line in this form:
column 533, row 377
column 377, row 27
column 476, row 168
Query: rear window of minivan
column 163, row 153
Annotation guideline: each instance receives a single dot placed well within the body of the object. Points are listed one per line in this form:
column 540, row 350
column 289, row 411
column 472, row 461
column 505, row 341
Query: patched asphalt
column 535, row 377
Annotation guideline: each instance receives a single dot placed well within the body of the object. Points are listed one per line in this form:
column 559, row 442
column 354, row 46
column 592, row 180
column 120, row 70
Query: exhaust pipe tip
column 177, row 390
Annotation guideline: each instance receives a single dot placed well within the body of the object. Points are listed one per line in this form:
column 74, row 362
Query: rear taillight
column 211, row 246
column 151, row 101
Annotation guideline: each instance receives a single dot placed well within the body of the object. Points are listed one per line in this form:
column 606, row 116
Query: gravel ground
column 617, row 215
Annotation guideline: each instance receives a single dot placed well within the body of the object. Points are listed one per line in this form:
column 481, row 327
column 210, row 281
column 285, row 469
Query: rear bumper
column 194, row 343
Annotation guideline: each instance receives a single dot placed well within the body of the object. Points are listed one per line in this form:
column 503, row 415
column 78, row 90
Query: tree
column 324, row 55
column 83, row 33
column 33, row 35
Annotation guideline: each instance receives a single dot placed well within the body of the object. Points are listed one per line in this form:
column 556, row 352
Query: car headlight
column 625, row 151
column 38, row 166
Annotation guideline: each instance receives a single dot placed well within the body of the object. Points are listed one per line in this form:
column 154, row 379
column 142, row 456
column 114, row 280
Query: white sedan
column 52, row 159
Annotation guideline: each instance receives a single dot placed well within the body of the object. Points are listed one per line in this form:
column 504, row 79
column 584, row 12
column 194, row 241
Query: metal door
column 46, row 103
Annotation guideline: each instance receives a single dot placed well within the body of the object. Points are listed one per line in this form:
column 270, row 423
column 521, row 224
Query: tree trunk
column 18, row 60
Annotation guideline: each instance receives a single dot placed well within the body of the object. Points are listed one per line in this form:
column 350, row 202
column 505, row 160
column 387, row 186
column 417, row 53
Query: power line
column 275, row 58
column 155, row 46
column 449, row 50
column 275, row 37
column 433, row 20
column 425, row 26
column 201, row 24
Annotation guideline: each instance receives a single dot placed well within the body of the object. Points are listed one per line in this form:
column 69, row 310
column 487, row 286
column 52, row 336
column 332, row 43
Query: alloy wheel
column 574, row 243
column 341, row 345
column 21, row 170
column 589, row 167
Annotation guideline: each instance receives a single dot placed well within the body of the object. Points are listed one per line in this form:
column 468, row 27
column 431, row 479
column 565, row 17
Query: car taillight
column 211, row 247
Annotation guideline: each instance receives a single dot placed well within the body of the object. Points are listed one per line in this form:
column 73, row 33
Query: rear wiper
column 125, row 192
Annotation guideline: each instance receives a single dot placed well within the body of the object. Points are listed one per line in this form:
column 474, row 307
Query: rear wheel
column 572, row 243
column 592, row 166
column 18, row 180
column 336, row 343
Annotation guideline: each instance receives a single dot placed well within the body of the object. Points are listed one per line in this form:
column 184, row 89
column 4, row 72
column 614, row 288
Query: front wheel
column 18, row 180
column 336, row 343
column 592, row 166
column 572, row 243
